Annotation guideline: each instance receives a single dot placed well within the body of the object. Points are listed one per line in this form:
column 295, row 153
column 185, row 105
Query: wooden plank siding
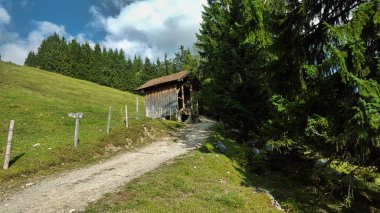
column 170, row 95
column 161, row 101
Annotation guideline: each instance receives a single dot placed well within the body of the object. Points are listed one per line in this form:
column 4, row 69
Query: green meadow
column 43, row 140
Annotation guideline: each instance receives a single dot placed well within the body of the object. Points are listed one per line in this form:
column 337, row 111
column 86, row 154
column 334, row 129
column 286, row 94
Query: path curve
column 72, row 191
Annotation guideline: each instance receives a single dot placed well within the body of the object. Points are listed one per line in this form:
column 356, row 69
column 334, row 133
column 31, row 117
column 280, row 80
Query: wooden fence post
column 109, row 120
column 76, row 136
column 77, row 116
column 9, row 142
column 126, row 116
column 137, row 107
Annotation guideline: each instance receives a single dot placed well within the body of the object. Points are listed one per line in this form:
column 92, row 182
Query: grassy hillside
column 39, row 102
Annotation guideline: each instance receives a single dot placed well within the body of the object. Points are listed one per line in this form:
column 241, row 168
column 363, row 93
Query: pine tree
column 354, row 124
column 31, row 60
column 184, row 60
column 321, row 66
column 51, row 54
column 74, row 51
column 97, row 65
column 232, row 41
column 168, row 65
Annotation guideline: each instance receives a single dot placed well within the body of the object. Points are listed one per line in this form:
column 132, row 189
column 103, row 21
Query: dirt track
column 72, row 191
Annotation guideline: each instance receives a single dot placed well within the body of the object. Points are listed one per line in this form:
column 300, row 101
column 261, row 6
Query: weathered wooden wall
column 160, row 102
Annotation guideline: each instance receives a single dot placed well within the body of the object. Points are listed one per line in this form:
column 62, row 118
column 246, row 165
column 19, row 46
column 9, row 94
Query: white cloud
column 147, row 28
column 151, row 27
column 99, row 19
column 15, row 49
column 5, row 18
column 82, row 38
column 43, row 30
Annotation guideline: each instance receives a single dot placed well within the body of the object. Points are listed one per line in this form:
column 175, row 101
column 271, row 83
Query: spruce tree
column 233, row 42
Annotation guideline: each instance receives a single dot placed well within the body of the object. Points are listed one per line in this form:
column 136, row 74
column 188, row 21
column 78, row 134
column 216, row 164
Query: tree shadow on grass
column 292, row 195
column 296, row 195
column 291, row 189
column 15, row 159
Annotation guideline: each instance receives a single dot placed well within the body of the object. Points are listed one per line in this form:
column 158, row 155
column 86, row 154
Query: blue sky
column 147, row 27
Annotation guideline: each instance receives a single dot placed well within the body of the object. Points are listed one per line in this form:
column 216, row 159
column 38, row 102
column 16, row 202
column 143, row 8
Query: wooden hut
column 170, row 95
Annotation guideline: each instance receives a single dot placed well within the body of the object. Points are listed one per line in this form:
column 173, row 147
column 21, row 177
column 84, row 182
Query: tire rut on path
column 72, row 191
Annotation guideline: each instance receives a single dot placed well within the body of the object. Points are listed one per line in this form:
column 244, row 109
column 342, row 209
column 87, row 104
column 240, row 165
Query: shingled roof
column 165, row 79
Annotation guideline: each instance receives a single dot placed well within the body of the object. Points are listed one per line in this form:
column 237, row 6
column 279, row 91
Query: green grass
column 39, row 102
column 202, row 181
column 207, row 181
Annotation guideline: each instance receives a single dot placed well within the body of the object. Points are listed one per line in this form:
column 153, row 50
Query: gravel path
column 72, row 191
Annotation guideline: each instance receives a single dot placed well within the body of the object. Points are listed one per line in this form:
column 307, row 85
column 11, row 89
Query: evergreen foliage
column 234, row 44
column 299, row 76
column 108, row 67
column 325, row 92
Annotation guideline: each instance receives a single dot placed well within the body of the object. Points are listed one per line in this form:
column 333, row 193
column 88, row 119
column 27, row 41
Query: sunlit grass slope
column 40, row 101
